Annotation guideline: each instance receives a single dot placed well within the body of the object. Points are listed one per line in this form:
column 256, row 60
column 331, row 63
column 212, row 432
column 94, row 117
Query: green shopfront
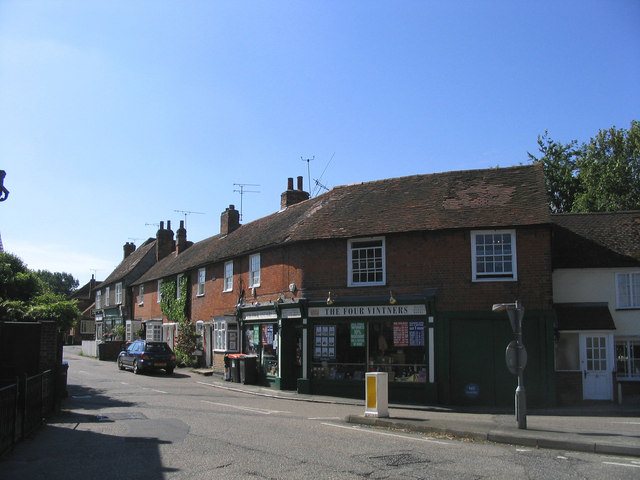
column 344, row 342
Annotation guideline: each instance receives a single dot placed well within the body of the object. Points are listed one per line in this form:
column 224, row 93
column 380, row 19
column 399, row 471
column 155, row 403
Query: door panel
column 596, row 365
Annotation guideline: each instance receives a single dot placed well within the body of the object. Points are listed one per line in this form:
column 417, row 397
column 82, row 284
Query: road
column 119, row 425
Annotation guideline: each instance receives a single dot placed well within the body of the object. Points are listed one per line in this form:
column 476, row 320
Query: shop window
column 628, row 359
column 628, row 290
column 493, row 255
column 345, row 351
column 366, row 262
column 262, row 340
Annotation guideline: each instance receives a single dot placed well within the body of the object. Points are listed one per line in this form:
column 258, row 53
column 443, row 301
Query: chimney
column 128, row 248
column 229, row 220
column 164, row 241
column 291, row 196
column 181, row 239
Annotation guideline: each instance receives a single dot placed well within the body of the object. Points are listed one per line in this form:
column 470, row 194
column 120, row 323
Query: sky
column 116, row 115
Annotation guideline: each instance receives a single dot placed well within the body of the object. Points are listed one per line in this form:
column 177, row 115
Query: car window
column 157, row 347
column 131, row 348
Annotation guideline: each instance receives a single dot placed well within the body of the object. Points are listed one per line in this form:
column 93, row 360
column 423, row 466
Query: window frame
column 178, row 290
column 141, row 294
column 118, row 294
column 633, row 290
column 631, row 347
column 202, row 278
column 350, row 260
column 510, row 276
column 254, row 273
column 98, row 300
column 227, row 284
column 159, row 299
column 107, row 293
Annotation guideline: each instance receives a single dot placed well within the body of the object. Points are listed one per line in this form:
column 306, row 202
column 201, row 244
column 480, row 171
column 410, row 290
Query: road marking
column 560, row 457
column 406, row 437
column 263, row 411
column 628, row 423
column 124, row 383
column 622, row 464
column 324, row 418
column 154, row 390
column 523, row 450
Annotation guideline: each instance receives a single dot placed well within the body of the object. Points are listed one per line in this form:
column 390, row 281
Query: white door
column 596, row 361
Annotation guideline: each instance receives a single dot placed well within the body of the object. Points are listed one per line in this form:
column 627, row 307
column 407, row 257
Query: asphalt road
column 119, row 425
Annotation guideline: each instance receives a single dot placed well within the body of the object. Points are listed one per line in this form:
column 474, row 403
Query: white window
column 119, row 293
column 493, row 255
column 159, row 291
column 628, row 289
column 98, row 299
column 628, row 359
column 107, row 292
column 366, row 262
column 228, row 276
column 225, row 336
column 141, row 294
column 254, row 270
column 154, row 331
column 202, row 273
column 178, row 290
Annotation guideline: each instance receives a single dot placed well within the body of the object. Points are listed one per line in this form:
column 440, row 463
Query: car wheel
column 136, row 368
column 169, row 371
column 120, row 365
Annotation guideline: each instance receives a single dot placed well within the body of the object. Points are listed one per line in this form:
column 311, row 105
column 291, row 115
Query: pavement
column 600, row 427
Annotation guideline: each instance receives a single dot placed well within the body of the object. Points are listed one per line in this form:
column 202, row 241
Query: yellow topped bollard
column 376, row 394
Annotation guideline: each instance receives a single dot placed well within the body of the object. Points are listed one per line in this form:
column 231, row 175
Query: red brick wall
column 150, row 307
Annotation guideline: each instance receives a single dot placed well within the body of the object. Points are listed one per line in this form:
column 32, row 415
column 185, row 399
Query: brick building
column 397, row 275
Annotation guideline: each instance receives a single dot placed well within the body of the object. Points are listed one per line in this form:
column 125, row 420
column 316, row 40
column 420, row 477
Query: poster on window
column 400, row 334
column 358, row 334
column 256, row 335
column 416, row 334
column 267, row 334
column 325, row 342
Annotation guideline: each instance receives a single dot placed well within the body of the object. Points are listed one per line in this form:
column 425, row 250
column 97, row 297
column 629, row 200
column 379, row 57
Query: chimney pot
column 300, row 183
column 290, row 183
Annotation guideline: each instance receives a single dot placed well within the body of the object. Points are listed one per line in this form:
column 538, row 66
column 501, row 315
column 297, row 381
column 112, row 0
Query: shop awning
column 584, row 316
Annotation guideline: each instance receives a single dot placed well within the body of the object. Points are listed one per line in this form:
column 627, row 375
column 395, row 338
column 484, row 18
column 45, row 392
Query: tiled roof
column 597, row 239
column 498, row 197
column 128, row 264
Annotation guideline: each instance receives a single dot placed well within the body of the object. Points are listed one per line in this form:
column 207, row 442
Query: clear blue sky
column 114, row 114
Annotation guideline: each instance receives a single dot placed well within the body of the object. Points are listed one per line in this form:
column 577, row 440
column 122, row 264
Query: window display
column 262, row 340
column 346, row 350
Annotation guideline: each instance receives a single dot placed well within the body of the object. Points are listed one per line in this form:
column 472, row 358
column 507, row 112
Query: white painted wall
column 575, row 285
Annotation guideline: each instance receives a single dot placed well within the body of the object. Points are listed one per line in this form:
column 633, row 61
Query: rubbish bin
column 235, row 366
column 248, row 369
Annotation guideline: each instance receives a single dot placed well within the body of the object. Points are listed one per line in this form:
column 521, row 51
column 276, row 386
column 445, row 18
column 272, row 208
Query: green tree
column 59, row 282
column 17, row 282
column 559, row 162
column 601, row 175
column 610, row 171
column 24, row 297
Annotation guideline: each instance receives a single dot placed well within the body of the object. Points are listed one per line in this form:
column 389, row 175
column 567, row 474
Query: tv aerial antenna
column 242, row 191
column 317, row 180
column 187, row 212
column 308, row 160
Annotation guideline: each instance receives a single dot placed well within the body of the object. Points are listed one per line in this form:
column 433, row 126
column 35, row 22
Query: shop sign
column 260, row 315
column 290, row 313
column 368, row 311
column 358, row 334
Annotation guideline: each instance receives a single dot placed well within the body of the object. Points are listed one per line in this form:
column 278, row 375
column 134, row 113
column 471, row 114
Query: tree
column 24, row 297
column 601, row 175
column 61, row 283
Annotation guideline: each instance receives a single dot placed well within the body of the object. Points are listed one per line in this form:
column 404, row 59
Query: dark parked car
column 142, row 355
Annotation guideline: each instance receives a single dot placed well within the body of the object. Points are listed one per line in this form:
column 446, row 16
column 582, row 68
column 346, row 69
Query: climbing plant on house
column 174, row 307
